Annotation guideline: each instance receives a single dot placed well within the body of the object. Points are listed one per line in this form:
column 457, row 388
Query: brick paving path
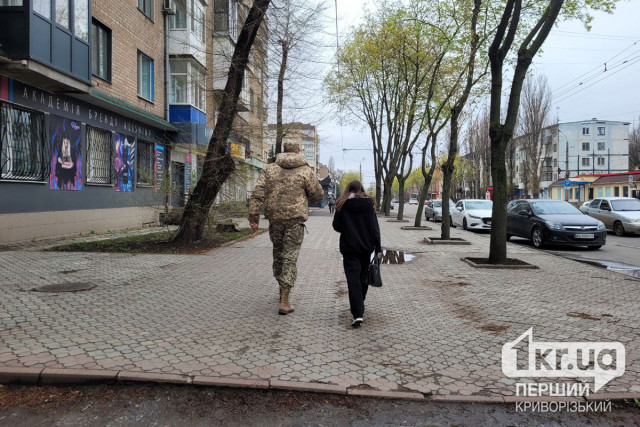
column 436, row 327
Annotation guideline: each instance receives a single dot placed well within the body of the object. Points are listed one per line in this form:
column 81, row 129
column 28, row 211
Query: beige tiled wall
column 24, row 227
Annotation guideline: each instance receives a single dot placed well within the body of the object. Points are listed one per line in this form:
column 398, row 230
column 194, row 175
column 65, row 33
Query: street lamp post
column 361, row 169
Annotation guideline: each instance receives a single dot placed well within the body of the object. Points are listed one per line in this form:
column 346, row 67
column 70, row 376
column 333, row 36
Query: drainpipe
column 167, row 80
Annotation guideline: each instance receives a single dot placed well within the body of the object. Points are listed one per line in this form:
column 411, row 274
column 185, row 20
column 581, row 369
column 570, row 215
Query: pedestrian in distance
column 285, row 189
column 331, row 200
column 356, row 221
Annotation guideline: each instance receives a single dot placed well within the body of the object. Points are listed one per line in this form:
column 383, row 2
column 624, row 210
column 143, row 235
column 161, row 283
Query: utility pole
column 566, row 141
column 609, row 160
column 593, row 160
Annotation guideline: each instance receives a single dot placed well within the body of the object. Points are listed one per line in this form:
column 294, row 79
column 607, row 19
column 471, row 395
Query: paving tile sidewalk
column 436, row 327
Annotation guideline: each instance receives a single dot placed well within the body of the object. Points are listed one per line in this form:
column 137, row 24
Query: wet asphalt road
column 163, row 405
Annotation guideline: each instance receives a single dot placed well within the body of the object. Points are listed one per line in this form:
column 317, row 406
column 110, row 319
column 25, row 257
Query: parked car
column 413, row 201
column 583, row 207
column 433, row 210
column 620, row 214
column 472, row 214
column 554, row 221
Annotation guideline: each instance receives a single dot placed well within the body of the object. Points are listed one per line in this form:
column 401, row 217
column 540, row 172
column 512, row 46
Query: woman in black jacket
column 356, row 221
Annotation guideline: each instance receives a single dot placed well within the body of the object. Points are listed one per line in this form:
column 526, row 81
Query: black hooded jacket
column 358, row 226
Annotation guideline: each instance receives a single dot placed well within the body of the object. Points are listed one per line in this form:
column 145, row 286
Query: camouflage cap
column 290, row 147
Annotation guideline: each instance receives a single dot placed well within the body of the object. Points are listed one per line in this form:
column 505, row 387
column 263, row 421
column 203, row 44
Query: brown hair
column 356, row 187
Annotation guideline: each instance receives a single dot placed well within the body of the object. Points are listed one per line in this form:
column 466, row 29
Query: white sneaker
column 357, row 321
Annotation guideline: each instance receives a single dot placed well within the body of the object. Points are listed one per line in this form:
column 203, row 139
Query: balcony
column 222, row 53
column 52, row 54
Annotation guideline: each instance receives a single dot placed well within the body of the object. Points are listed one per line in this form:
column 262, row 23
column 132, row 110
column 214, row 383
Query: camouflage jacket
column 284, row 189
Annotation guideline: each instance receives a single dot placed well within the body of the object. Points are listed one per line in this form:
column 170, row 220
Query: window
column 251, row 104
column 10, row 3
column 555, row 163
column 225, row 17
column 595, row 204
column 146, row 7
column 601, row 130
column 101, row 51
column 145, row 163
column 600, row 146
column 197, row 20
column 42, row 7
column 555, row 147
column 62, row 13
column 178, row 81
column 585, row 131
column 605, row 204
column 616, row 191
column 179, row 20
column 600, row 161
column 607, row 192
column 599, row 191
column 98, row 155
column 22, row 144
column 81, row 19
column 586, row 146
column 145, row 76
column 586, row 161
column 198, row 87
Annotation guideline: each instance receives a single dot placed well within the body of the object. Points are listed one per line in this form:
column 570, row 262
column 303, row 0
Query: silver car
column 433, row 209
column 620, row 214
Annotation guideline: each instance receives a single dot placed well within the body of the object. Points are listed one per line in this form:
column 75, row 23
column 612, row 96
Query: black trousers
column 355, row 269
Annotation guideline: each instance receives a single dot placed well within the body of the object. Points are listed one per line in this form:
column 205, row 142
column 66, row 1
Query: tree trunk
column 401, row 182
column 283, row 67
column 498, row 243
column 386, row 199
column 218, row 163
column 447, row 174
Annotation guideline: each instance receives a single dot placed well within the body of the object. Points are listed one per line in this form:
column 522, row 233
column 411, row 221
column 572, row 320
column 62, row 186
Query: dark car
column 554, row 221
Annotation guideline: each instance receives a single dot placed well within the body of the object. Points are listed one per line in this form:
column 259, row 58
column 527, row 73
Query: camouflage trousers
column 287, row 239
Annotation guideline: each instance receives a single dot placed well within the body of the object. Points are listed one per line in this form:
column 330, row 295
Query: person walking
column 331, row 200
column 285, row 189
column 356, row 221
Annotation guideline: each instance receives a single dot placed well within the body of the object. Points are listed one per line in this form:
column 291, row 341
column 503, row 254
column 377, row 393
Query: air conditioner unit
column 169, row 7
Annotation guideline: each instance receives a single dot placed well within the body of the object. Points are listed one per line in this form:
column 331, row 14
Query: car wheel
column 618, row 228
column 594, row 247
column 536, row 237
column 464, row 223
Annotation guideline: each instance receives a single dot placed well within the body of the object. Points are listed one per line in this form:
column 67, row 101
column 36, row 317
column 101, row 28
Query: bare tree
column 534, row 114
column 293, row 25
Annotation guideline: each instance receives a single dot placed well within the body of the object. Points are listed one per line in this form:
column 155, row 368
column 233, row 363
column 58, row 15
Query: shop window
column 146, row 7
column 625, row 191
column 23, row 154
column 145, row 163
column 179, row 20
column 99, row 154
column 101, row 51
column 145, row 76
column 616, row 191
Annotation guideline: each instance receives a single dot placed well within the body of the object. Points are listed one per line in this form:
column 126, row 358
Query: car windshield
column 436, row 204
column 480, row 205
column 554, row 208
column 626, row 205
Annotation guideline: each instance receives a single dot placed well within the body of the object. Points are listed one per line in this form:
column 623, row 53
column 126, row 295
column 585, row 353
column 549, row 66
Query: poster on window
column 158, row 167
column 66, row 154
column 125, row 160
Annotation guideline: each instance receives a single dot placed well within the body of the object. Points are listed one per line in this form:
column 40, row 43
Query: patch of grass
column 156, row 243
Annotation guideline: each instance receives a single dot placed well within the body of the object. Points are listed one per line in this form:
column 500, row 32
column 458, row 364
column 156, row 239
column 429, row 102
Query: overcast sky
column 573, row 61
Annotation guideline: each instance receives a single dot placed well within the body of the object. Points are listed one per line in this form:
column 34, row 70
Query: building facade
column 587, row 187
column 107, row 108
column 569, row 149
column 303, row 134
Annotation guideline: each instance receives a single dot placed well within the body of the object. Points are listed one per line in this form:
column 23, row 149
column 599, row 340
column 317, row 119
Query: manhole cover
column 65, row 287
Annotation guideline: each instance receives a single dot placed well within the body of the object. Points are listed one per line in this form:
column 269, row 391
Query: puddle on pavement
column 618, row 267
column 396, row 257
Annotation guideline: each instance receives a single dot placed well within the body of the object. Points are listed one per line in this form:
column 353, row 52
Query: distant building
column 588, row 187
column 569, row 149
column 301, row 133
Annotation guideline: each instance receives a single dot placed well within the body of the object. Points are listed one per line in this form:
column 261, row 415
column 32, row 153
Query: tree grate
column 65, row 287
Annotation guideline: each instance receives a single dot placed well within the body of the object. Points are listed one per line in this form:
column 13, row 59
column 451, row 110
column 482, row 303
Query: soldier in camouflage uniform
column 284, row 189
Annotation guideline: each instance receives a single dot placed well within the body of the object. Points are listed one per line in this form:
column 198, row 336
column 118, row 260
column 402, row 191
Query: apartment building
column 573, row 148
column 303, row 134
column 247, row 142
